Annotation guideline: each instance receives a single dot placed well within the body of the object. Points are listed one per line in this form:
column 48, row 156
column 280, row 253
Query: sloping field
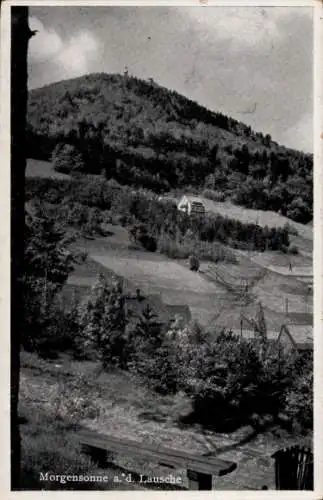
column 296, row 272
column 279, row 263
column 163, row 274
column 210, row 302
column 265, row 259
column 39, row 168
column 271, row 293
column 260, row 217
column 175, row 283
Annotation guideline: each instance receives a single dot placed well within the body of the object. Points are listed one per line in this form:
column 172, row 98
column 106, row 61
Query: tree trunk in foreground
column 20, row 34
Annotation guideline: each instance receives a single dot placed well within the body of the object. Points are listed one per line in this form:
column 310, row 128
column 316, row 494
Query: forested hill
column 145, row 135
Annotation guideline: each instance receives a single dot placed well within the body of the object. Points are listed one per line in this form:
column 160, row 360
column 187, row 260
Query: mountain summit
column 146, row 135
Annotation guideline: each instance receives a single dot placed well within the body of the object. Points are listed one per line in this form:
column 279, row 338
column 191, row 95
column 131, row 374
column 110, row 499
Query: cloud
column 300, row 135
column 240, row 27
column 243, row 27
column 77, row 54
column 45, row 44
column 74, row 54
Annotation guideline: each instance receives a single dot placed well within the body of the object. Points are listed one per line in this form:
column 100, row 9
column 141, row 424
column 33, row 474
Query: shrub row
column 162, row 220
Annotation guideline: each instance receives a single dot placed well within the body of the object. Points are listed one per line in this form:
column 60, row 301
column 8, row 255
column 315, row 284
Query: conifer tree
column 102, row 321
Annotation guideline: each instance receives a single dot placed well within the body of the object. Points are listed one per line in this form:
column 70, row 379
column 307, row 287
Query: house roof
column 165, row 312
column 193, row 199
column 301, row 334
column 250, row 334
column 179, row 310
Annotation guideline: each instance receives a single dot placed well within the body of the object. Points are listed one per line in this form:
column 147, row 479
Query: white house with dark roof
column 191, row 205
column 298, row 337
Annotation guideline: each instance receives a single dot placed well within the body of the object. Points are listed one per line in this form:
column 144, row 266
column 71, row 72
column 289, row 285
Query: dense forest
column 142, row 134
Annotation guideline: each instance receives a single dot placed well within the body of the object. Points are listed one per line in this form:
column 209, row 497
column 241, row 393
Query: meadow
column 43, row 169
column 210, row 302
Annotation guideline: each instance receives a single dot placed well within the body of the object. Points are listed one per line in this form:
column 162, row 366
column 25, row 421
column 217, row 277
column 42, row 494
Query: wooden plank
column 167, row 456
column 157, row 453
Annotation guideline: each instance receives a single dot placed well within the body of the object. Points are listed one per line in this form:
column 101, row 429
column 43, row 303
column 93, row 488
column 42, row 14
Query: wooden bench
column 200, row 469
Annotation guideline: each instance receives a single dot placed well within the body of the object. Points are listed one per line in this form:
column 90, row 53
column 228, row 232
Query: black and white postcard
column 161, row 293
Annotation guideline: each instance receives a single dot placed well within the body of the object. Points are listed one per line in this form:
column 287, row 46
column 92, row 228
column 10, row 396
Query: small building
column 299, row 337
column 166, row 314
column 191, row 205
column 180, row 314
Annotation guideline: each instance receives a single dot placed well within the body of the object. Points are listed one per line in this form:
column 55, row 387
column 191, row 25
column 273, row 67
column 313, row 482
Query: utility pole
column 286, row 305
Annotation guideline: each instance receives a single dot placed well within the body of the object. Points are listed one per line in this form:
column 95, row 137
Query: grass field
column 39, row 168
column 209, row 301
column 150, row 274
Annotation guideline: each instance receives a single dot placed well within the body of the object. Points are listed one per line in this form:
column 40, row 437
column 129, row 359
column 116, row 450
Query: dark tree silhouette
column 20, row 34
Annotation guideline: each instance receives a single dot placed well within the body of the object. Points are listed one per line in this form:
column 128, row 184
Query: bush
column 54, row 453
column 152, row 354
column 213, row 195
column 299, row 398
column 293, row 250
column 219, row 378
column 215, row 252
column 158, row 220
column 291, row 229
column 159, row 369
column 48, row 262
column 194, row 263
column 173, row 249
column 148, row 242
column 230, row 379
column 139, row 234
column 67, row 159
column 73, row 399
column 102, row 322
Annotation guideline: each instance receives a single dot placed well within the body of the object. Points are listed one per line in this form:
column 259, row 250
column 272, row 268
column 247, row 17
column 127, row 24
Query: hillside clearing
column 44, row 169
column 161, row 274
column 209, row 301
column 251, row 216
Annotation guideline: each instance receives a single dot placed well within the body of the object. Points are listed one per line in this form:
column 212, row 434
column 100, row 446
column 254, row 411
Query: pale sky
column 252, row 63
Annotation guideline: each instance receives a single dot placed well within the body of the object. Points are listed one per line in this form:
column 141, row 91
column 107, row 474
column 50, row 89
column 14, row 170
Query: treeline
column 161, row 220
column 144, row 135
